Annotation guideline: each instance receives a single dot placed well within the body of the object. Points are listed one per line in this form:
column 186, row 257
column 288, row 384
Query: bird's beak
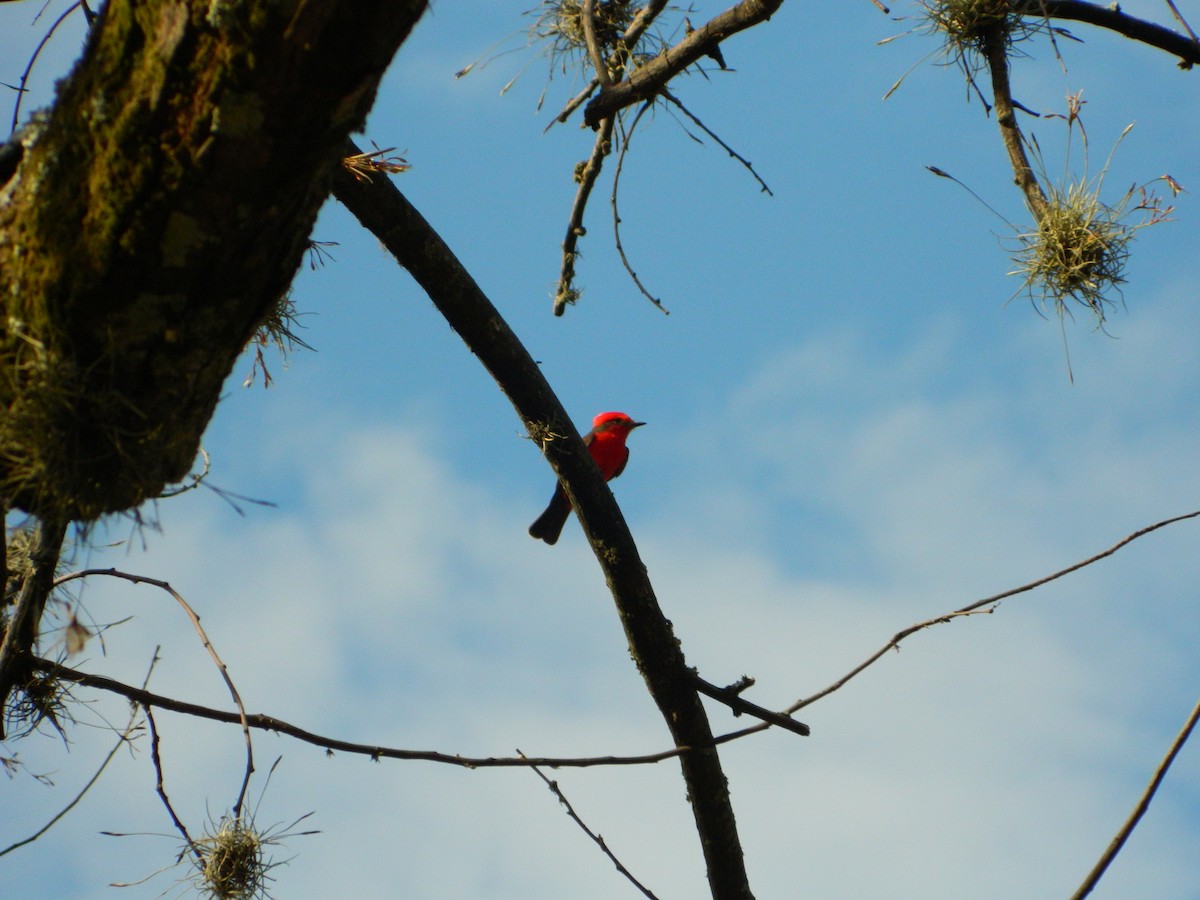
column 636, row 425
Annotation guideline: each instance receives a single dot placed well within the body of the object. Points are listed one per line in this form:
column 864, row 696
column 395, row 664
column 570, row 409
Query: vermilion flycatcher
column 606, row 443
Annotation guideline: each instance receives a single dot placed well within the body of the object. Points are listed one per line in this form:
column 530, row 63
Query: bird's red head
column 619, row 422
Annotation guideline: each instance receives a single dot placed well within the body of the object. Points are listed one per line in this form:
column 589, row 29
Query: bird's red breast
column 606, row 442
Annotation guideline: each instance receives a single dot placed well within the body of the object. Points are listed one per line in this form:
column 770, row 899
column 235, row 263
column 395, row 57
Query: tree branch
column 1143, row 804
column 1112, row 18
column 597, row 839
column 212, row 653
column 646, row 81
column 996, row 53
column 262, row 722
column 384, row 211
column 986, row 605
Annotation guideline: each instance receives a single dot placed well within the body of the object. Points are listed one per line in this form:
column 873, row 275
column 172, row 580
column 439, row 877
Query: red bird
column 606, row 443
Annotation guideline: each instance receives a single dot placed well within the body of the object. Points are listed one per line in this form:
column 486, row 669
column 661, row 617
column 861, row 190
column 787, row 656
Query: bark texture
column 159, row 212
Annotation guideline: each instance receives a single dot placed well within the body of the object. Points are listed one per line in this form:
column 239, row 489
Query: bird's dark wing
column 621, row 467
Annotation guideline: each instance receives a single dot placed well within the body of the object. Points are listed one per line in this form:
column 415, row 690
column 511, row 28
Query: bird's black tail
column 549, row 525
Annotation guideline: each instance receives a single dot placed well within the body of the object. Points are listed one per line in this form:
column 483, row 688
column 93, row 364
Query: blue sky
column 852, row 429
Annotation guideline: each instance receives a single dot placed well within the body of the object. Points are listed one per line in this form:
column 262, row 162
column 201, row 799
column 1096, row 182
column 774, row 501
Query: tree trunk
column 158, row 213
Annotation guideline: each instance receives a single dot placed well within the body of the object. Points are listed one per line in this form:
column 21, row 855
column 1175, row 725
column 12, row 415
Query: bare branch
column 212, row 652
column 986, row 605
column 732, row 698
column 1143, row 804
column 384, row 211
column 626, row 136
column 554, row 788
column 724, row 146
column 161, row 790
column 331, row 744
column 587, row 19
column 122, row 741
column 996, row 52
column 586, row 175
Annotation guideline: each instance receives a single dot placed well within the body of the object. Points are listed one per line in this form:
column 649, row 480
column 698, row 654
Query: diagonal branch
column 986, row 605
column 1143, row 804
column 384, row 211
column 645, row 82
column 596, row 838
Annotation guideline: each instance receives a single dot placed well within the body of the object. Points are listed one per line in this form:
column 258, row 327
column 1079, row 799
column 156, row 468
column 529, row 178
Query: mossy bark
column 161, row 208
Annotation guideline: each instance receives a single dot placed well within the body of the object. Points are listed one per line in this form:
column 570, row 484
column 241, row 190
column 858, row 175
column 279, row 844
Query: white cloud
column 403, row 604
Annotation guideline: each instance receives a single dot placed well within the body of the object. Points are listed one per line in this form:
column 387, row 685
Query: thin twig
column 625, row 138
column 1143, row 804
column 122, row 741
column 977, row 607
column 553, row 785
column 374, row 751
column 712, row 134
column 21, row 89
column 162, row 791
column 212, row 652
column 1182, row 21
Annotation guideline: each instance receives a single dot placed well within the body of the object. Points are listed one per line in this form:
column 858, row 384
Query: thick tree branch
column 155, row 218
column 646, row 81
column 1112, row 18
column 384, row 211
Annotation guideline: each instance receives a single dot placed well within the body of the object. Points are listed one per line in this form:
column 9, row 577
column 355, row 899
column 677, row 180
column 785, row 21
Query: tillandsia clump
column 39, row 698
column 965, row 26
column 277, row 328
column 1078, row 250
column 561, row 23
column 230, row 862
column 1079, row 246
